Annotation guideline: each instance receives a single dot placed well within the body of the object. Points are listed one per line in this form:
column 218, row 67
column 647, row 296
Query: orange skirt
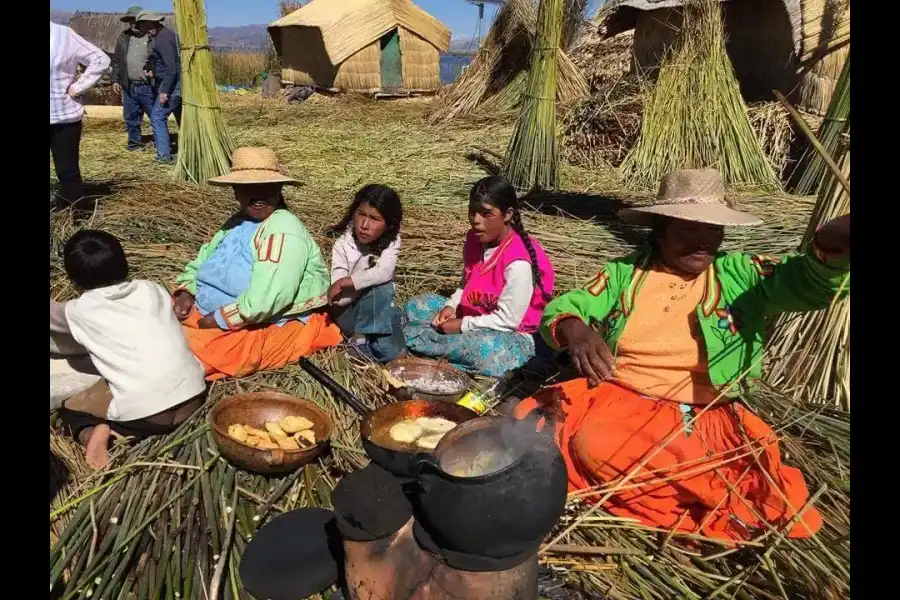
column 245, row 351
column 721, row 481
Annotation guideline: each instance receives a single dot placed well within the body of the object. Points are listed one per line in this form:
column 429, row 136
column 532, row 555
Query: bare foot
column 96, row 447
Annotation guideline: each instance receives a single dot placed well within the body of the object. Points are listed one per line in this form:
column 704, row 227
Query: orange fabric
column 605, row 432
column 239, row 353
column 661, row 351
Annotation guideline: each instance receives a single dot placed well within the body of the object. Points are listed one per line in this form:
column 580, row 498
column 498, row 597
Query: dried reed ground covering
column 335, row 146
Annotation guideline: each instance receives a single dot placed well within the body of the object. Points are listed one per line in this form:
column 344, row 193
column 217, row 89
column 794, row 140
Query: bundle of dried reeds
column 811, row 168
column 531, row 160
column 810, row 353
column 503, row 59
column 695, row 116
column 204, row 146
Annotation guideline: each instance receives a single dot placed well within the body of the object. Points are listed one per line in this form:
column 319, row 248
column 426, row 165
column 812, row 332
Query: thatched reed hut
column 102, row 29
column 370, row 46
column 795, row 46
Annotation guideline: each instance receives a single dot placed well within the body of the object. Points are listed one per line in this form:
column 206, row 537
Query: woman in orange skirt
column 667, row 340
column 252, row 300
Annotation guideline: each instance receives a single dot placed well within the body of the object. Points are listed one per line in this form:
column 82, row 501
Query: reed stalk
column 204, row 146
column 532, row 160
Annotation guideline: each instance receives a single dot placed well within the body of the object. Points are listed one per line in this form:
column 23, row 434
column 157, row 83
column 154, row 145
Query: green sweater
column 289, row 276
column 742, row 291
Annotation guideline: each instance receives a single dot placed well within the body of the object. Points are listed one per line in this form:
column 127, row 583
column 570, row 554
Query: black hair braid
column 516, row 224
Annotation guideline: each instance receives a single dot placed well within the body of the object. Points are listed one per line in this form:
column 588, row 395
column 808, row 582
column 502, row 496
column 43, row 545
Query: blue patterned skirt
column 484, row 351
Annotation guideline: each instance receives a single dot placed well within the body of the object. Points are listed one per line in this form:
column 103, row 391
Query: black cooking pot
column 493, row 487
column 394, row 456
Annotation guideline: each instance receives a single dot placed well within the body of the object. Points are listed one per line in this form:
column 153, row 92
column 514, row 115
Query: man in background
column 130, row 76
column 164, row 60
column 68, row 51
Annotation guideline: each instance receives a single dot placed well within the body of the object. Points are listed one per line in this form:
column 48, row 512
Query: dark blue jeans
column 159, row 122
column 137, row 101
column 372, row 316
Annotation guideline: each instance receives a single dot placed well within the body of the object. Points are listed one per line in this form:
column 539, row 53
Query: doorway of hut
column 391, row 69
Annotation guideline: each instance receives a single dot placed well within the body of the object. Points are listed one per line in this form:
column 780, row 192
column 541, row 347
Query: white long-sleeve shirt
column 513, row 303
column 349, row 259
column 67, row 51
column 136, row 344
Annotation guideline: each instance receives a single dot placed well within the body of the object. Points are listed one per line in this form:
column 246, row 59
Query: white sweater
column 348, row 259
column 136, row 344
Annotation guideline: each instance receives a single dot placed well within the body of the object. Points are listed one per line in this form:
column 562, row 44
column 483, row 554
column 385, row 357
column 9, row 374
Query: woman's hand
column 588, row 350
column 208, row 322
column 445, row 314
column 834, row 236
column 450, row 326
column 184, row 303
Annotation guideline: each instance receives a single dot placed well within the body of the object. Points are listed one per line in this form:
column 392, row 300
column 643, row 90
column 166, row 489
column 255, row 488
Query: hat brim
column 712, row 214
column 127, row 18
column 252, row 176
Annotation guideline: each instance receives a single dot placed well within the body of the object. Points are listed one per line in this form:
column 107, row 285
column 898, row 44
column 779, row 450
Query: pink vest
column 485, row 280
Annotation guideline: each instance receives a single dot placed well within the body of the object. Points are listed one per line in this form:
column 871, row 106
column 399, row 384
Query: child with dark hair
column 150, row 380
column 362, row 273
column 487, row 326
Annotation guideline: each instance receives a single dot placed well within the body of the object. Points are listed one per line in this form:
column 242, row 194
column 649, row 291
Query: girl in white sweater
column 362, row 273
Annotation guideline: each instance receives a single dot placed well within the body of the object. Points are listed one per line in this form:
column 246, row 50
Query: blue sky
column 460, row 16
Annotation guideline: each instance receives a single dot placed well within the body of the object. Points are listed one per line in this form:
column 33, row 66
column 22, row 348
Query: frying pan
column 375, row 423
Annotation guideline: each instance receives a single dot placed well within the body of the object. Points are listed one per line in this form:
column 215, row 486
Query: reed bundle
column 494, row 84
column 695, row 117
column 531, row 160
column 810, row 352
column 204, row 146
column 811, row 169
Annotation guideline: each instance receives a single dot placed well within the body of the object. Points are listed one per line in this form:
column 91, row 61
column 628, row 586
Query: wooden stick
column 814, row 141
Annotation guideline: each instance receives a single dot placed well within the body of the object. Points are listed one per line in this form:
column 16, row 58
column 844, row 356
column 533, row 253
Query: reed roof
column 350, row 25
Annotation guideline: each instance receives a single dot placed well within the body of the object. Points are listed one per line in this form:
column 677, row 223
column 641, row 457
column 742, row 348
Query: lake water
column 452, row 66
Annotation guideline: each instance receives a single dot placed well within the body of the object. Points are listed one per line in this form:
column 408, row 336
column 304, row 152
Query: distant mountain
column 61, row 17
column 256, row 37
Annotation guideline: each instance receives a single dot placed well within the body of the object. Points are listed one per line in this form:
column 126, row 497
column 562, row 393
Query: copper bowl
column 425, row 370
column 255, row 410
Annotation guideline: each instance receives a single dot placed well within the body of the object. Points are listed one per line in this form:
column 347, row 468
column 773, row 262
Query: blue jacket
column 166, row 64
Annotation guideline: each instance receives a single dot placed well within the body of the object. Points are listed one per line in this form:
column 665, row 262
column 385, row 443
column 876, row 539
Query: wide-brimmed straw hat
column 131, row 14
column 690, row 195
column 254, row 166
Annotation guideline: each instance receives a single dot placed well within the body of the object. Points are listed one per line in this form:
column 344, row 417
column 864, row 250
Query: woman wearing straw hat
column 666, row 341
column 250, row 299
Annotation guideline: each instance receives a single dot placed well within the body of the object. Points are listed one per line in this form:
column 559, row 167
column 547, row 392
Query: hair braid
column 516, row 224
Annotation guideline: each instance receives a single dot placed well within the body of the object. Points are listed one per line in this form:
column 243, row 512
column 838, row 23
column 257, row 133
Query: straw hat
column 131, row 14
column 690, row 195
column 254, row 165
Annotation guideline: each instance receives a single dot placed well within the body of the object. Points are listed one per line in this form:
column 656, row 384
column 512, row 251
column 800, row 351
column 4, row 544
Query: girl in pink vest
column 487, row 326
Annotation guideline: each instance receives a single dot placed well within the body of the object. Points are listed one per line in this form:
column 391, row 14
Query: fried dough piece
column 305, row 438
column 286, row 443
column 406, row 432
column 237, row 432
column 293, row 424
column 273, row 428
